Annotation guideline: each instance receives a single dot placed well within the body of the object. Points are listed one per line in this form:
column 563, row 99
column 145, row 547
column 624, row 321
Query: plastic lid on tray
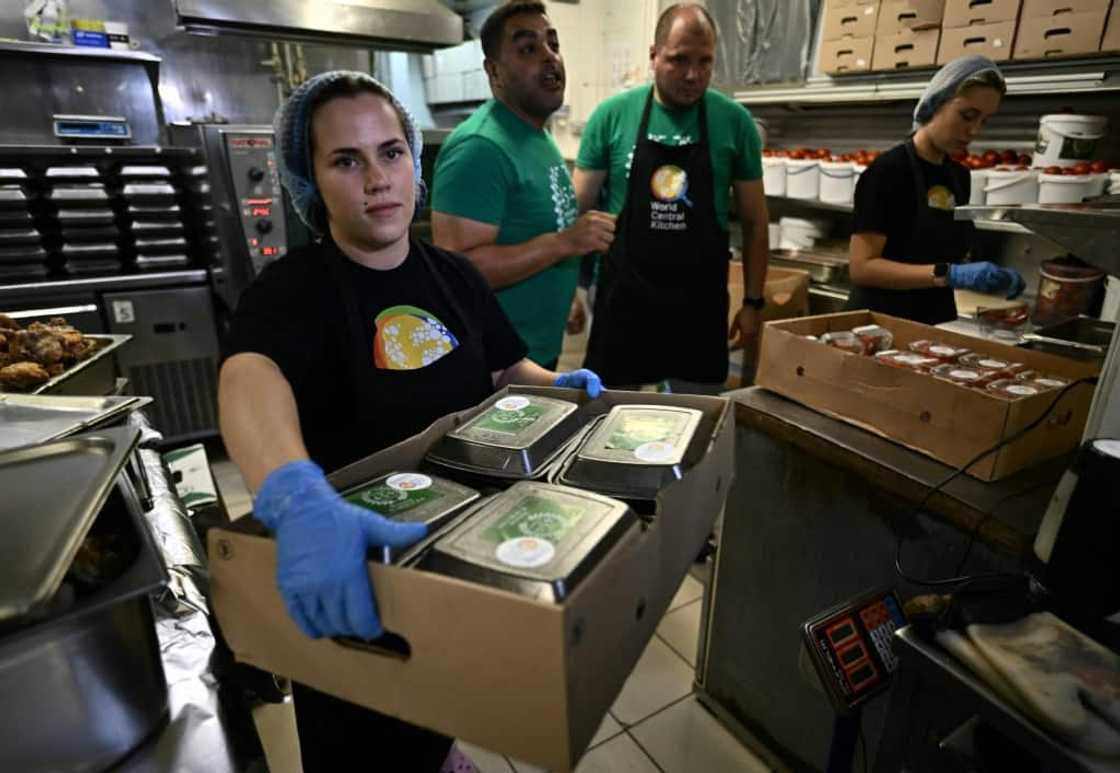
column 642, row 434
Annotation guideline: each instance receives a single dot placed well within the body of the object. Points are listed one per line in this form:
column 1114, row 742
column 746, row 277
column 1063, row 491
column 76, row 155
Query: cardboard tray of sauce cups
column 412, row 497
column 514, row 438
column 535, row 539
column 636, row 450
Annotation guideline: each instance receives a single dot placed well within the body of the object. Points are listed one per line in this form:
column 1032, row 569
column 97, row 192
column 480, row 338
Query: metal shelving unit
column 1003, row 226
column 1034, row 79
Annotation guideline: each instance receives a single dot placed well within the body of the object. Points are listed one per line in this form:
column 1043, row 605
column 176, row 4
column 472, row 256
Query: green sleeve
column 748, row 159
column 472, row 179
column 594, row 145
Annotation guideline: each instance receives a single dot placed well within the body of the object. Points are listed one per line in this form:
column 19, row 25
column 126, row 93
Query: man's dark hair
column 669, row 15
column 494, row 28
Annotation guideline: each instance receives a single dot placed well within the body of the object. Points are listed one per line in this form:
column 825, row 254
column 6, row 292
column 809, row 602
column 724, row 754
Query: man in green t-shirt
column 501, row 194
column 664, row 158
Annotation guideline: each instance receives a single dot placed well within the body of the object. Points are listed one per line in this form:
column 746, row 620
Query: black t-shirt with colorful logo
column 433, row 331
column 885, row 200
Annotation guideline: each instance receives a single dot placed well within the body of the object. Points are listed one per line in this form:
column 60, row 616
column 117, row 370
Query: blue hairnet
column 292, row 127
column 944, row 84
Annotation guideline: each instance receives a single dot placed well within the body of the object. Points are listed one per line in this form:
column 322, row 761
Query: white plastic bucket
column 838, row 182
column 977, row 196
column 774, row 176
column 857, row 170
column 1069, row 189
column 775, row 232
column 803, row 178
column 1065, row 139
column 1011, row 186
column 1114, row 183
column 801, row 233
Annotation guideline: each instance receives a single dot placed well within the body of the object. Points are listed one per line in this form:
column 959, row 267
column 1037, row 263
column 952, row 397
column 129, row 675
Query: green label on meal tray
column 537, row 516
column 392, row 501
column 509, row 422
column 637, row 429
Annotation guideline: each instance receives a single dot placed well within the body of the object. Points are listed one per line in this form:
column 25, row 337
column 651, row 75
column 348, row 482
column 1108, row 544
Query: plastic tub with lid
column 774, row 176
column 977, row 195
column 1011, row 186
column 1014, row 390
column 803, row 178
column 838, row 182
column 1069, row 189
column 1067, row 287
column 1065, row 139
column 801, row 233
column 964, row 375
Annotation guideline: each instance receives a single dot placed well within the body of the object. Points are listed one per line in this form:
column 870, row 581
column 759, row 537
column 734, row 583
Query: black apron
column 662, row 304
column 935, row 238
column 391, row 405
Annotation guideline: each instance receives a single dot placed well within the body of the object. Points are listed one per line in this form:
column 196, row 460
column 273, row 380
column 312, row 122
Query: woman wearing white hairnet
column 907, row 250
column 342, row 349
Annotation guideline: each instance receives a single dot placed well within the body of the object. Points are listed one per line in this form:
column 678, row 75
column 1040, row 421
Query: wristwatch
column 755, row 303
column 941, row 274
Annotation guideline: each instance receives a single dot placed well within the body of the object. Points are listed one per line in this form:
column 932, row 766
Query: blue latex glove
column 581, row 379
column 321, row 543
column 985, row 277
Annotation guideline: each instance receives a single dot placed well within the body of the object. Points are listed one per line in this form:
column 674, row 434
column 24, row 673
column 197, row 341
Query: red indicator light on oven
column 261, row 212
column 270, row 251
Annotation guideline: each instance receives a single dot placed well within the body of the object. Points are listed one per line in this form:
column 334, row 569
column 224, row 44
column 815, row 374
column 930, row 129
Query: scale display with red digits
column 850, row 647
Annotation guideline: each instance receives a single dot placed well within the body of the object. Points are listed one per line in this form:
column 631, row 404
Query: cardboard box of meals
column 900, row 15
column 991, row 40
column 966, row 13
column 908, row 48
column 1072, row 28
column 849, row 19
column 512, row 663
column 838, row 57
column 947, row 395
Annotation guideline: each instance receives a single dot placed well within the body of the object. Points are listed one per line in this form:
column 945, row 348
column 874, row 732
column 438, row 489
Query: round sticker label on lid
column 993, row 364
column 655, row 451
column 1050, row 382
column 1022, row 391
column 964, row 375
column 525, row 552
column 513, row 403
column 409, row 481
column 942, row 351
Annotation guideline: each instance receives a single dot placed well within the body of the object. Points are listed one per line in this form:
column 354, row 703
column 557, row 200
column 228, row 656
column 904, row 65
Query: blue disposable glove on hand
column 581, row 379
column 321, row 543
column 985, row 277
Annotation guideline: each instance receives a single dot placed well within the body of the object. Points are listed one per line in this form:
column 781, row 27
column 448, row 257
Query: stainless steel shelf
column 80, row 52
column 1090, row 231
column 1035, row 79
column 1002, row 226
column 105, row 283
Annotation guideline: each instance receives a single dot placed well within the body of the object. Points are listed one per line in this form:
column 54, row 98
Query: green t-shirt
column 611, row 132
column 496, row 168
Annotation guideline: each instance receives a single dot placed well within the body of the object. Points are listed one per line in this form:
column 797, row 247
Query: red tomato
column 823, row 153
column 1024, row 159
column 1052, row 170
column 991, row 158
column 959, row 157
column 1008, row 157
column 1097, row 167
column 1080, row 168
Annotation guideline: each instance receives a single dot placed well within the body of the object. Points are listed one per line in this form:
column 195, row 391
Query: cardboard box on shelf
column 946, row 421
column 849, row 20
column 1049, row 37
column 1111, row 41
column 991, row 40
column 906, row 49
column 964, row 13
column 1036, row 8
column 837, row 57
column 899, row 15
column 522, row 677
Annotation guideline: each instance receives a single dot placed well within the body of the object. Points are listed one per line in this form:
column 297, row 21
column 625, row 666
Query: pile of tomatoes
column 861, row 157
column 1013, row 159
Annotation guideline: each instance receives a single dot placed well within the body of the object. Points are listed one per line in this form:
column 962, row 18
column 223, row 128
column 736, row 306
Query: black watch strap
column 755, row 303
column 940, row 270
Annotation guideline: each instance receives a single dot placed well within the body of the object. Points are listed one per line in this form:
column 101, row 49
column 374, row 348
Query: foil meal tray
column 109, row 343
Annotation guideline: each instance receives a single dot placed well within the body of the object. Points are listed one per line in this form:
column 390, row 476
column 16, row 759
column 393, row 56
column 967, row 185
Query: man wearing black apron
column 906, row 247
column 666, row 158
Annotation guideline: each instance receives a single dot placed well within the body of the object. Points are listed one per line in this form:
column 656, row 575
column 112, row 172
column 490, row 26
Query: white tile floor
column 655, row 725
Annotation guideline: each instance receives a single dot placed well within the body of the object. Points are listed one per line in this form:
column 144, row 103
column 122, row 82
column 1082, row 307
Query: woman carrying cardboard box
column 907, row 251
column 340, row 350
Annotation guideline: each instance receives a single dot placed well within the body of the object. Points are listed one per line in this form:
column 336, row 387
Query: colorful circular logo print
column 515, row 403
column 525, row 552
column 669, row 183
column 409, row 338
column 409, row 481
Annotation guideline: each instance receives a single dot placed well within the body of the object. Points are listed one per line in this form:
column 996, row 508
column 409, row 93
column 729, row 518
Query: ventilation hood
column 401, row 25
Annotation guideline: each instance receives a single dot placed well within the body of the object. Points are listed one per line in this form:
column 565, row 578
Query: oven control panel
column 850, row 647
column 256, row 186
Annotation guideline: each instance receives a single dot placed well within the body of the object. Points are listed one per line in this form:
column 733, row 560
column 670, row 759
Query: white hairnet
column 944, row 84
column 292, row 127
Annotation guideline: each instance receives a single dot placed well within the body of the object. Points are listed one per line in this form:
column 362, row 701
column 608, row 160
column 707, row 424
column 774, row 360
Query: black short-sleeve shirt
column 415, row 320
column 886, row 201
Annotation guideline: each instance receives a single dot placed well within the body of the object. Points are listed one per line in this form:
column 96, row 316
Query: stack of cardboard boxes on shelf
column 882, row 35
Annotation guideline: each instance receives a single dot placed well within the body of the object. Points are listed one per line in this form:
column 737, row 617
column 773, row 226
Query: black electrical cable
column 975, row 531
column 921, row 506
column 862, row 746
